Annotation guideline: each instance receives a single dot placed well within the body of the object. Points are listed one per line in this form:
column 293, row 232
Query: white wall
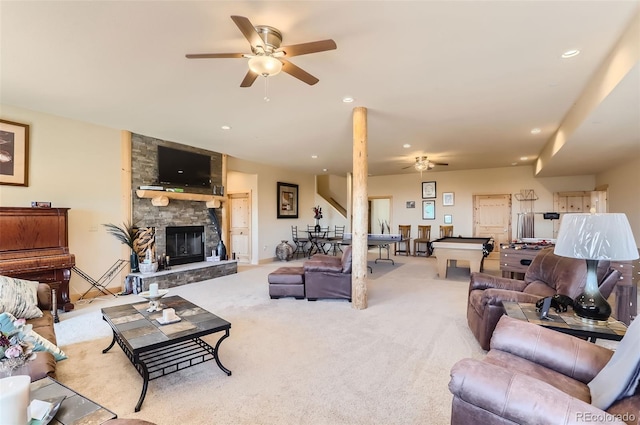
column 624, row 192
column 270, row 229
column 75, row 165
column 464, row 185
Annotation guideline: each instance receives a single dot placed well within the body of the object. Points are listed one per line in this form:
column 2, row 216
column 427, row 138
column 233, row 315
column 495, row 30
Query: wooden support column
column 225, row 206
column 359, row 227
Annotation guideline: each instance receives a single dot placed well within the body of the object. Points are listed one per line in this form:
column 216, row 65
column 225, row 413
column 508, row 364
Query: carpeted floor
column 293, row 361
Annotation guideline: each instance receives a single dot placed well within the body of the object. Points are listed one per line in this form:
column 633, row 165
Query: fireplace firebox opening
column 185, row 244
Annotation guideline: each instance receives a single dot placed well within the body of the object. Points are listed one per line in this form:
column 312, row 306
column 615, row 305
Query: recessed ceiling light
column 535, row 131
column 523, row 158
column 314, row 156
column 514, row 163
column 348, row 99
column 226, row 127
column 570, row 53
column 406, row 146
column 325, row 170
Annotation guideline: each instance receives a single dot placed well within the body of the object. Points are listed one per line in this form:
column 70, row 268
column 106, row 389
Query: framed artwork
column 428, row 210
column 287, row 200
column 447, row 198
column 428, row 190
column 14, row 153
column 448, row 219
column 411, row 204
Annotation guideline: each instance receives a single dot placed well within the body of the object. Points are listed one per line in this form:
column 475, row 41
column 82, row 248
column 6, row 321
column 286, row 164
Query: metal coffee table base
column 170, row 358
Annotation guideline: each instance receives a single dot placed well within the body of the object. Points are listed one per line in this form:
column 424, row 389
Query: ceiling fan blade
column 439, row 163
column 248, row 30
column 306, row 48
column 408, row 166
column 214, row 55
column 298, row 72
column 249, row 79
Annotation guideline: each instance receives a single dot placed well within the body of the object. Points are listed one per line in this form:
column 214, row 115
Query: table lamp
column 595, row 237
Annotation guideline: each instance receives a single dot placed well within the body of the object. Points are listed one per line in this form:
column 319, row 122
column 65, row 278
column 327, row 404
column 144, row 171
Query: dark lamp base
column 590, row 304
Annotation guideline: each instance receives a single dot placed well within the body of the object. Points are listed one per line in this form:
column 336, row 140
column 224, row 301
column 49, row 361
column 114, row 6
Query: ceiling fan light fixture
column 421, row 166
column 266, row 66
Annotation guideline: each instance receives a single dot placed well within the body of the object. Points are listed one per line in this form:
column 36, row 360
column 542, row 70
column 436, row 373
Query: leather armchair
column 533, row 375
column 326, row 276
column 547, row 275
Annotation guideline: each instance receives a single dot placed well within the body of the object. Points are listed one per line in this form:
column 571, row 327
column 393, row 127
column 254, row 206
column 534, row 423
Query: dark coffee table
column 157, row 350
column 567, row 322
column 75, row 408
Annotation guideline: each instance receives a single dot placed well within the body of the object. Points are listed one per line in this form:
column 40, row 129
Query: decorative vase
column 133, row 259
column 317, row 228
column 284, row 251
column 222, row 250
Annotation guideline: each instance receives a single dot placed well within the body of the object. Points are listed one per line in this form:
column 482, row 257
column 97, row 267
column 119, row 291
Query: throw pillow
column 39, row 343
column 19, row 297
column 619, row 378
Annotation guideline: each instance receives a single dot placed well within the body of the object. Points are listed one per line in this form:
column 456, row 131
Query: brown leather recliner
column 326, row 276
column 534, row 375
column 548, row 274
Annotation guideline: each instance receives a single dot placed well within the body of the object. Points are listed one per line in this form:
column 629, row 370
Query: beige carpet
column 293, row 362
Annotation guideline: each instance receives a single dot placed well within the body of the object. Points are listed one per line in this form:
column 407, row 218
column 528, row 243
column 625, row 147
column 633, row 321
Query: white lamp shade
column 265, row 65
column 596, row 237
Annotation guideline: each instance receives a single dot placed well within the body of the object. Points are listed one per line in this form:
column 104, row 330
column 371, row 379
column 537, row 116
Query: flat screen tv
column 183, row 168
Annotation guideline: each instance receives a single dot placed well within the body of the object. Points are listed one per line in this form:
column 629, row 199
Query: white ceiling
column 462, row 82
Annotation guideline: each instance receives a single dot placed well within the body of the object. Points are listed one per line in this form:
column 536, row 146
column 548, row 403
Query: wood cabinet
column 514, row 261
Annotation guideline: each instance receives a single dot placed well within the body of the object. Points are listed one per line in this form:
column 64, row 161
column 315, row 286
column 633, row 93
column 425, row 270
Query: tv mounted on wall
column 183, row 168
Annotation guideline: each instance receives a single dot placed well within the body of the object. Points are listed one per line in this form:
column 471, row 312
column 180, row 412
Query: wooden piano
column 34, row 246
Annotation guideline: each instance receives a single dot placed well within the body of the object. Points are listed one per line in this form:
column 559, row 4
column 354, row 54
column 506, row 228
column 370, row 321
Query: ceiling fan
column 423, row 164
column 267, row 56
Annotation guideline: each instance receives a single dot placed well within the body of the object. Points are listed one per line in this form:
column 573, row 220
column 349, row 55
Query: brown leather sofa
column 44, row 364
column 533, row 375
column 326, row 276
column 547, row 275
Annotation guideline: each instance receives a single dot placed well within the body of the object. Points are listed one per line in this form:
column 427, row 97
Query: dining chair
column 446, row 231
column 336, row 239
column 405, row 232
column 424, row 237
column 300, row 242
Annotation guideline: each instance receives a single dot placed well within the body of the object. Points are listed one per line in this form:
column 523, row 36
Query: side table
column 75, row 409
column 566, row 322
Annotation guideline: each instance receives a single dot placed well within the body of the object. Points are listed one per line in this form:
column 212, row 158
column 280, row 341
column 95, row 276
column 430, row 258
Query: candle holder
column 154, row 300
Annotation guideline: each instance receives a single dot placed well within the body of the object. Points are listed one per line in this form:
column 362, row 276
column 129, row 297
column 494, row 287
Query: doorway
column 492, row 218
column 240, row 226
column 379, row 216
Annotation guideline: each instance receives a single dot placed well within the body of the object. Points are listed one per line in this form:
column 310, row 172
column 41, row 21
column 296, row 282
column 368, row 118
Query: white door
column 492, row 218
column 240, row 226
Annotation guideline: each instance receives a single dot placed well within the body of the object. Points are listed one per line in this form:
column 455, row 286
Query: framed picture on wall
column 429, row 210
column 287, row 200
column 411, row 204
column 428, row 190
column 14, row 153
column 447, row 198
column 448, row 219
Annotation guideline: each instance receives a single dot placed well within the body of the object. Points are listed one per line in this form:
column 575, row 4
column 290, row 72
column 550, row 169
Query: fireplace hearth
column 185, row 244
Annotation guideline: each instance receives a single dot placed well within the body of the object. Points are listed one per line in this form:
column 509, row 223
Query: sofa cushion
column 39, row 342
column 619, row 378
column 346, row 260
column 19, row 297
column 523, row 366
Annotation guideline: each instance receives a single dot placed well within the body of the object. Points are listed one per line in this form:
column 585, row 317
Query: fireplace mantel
column 161, row 198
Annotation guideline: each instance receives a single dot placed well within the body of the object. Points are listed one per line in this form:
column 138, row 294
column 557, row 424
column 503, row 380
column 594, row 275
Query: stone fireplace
column 179, row 213
column 185, row 229
column 185, row 244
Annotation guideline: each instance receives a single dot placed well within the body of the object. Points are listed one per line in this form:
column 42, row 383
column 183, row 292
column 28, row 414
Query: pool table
column 461, row 248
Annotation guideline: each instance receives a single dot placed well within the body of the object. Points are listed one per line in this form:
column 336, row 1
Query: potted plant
column 126, row 235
